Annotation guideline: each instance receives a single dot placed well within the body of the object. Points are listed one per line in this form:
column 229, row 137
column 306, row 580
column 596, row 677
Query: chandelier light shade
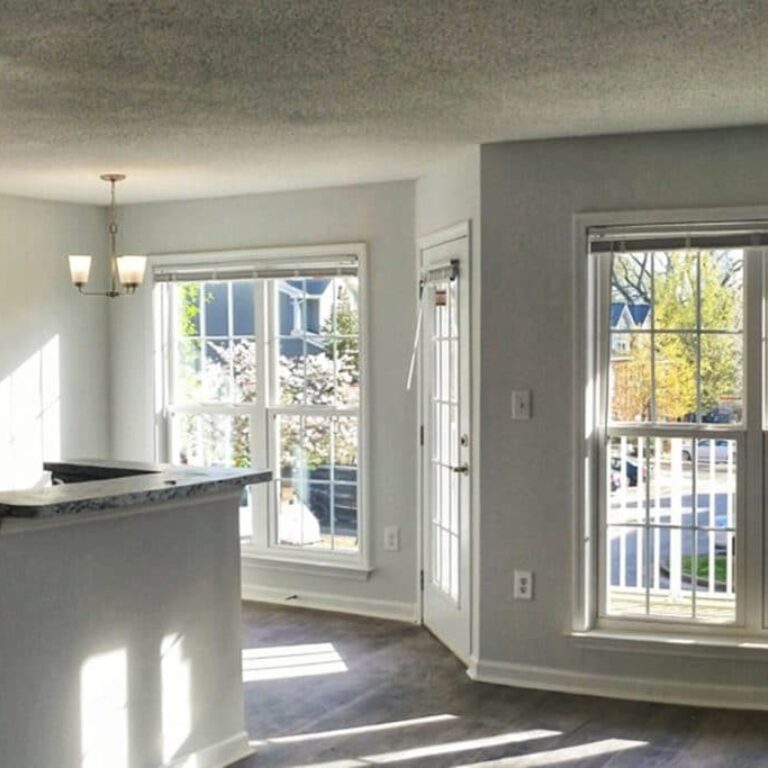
column 126, row 272
column 80, row 268
column 130, row 271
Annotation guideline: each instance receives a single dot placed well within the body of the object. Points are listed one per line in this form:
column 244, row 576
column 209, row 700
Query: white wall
column 132, row 658
column 382, row 216
column 529, row 192
column 53, row 342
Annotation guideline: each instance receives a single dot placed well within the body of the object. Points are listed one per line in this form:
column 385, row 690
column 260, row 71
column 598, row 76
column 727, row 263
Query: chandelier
column 126, row 272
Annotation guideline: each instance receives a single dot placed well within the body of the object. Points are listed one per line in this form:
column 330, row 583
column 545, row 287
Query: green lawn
column 702, row 571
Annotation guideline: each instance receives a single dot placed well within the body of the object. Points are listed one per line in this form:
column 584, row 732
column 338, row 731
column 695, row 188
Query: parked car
column 630, row 470
column 704, row 450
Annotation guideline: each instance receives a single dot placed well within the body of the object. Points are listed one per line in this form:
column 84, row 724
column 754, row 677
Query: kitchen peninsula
column 120, row 617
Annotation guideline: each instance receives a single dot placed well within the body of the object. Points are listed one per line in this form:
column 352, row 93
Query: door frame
column 444, row 236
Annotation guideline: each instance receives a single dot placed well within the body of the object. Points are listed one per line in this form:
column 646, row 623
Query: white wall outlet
column 521, row 404
column 523, row 585
column 392, row 538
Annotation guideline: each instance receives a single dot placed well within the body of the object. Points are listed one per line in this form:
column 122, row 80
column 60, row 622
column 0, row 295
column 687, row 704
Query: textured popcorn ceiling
column 209, row 97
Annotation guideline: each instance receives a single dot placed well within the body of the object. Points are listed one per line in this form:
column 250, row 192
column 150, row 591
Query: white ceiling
column 193, row 98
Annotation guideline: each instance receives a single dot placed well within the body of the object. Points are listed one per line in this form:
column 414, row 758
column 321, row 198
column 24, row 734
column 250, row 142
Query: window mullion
column 750, row 513
column 260, row 432
column 602, row 413
column 652, row 414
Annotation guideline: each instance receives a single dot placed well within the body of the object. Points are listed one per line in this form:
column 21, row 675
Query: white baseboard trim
column 360, row 606
column 218, row 755
column 609, row 686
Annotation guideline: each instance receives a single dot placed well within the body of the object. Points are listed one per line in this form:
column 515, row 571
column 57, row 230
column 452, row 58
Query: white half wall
column 381, row 215
column 529, row 192
column 53, row 342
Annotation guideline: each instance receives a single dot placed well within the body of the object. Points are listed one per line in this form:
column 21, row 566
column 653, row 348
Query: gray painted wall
column 380, row 215
column 529, row 192
column 53, row 342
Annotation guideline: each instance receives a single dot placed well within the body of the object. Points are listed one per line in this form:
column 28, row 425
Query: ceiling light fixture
column 126, row 272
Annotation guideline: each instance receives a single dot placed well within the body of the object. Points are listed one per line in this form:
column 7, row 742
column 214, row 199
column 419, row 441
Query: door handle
column 462, row 469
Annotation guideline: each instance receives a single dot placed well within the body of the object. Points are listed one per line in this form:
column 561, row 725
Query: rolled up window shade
column 669, row 237
column 252, row 270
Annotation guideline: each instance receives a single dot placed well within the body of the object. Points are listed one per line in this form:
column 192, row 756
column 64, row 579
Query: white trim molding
column 320, row 601
column 663, row 691
column 754, row 649
column 218, row 755
column 338, row 568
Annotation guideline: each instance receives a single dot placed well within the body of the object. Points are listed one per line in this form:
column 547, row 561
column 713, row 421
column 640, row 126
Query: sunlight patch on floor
column 433, row 750
column 288, row 661
column 561, row 756
column 355, row 730
column 465, row 745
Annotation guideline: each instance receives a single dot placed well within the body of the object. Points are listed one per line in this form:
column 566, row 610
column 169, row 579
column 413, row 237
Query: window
column 673, row 412
column 263, row 367
column 315, row 413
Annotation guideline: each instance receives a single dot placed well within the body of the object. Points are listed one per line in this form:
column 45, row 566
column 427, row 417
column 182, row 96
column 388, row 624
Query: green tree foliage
column 678, row 277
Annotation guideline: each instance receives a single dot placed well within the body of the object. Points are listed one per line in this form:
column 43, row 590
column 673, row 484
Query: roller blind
column 274, row 269
column 668, row 237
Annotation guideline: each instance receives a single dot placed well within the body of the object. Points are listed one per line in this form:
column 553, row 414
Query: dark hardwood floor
column 338, row 691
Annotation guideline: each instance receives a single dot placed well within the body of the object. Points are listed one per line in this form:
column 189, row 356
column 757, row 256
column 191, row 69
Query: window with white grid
column 676, row 311
column 262, row 367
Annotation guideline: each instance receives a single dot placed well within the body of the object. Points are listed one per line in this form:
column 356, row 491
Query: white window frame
column 751, row 585
column 263, row 545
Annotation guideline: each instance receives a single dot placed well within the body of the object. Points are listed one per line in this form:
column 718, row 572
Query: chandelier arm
column 113, row 287
column 109, row 294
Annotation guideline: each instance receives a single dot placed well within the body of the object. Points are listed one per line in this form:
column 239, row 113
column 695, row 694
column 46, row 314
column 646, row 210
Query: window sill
column 280, row 562
column 668, row 644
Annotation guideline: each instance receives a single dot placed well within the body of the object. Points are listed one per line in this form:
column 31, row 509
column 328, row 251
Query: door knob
column 462, row 469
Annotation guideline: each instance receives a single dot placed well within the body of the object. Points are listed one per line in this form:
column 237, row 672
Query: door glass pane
column 444, row 410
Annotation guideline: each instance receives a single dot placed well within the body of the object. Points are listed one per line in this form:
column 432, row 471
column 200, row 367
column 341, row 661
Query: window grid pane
column 676, row 337
column 316, row 334
column 675, row 357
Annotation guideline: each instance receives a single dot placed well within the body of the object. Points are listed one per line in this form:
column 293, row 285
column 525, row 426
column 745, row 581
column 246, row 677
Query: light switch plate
column 392, row 538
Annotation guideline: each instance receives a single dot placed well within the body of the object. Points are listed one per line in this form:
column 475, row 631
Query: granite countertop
column 94, row 484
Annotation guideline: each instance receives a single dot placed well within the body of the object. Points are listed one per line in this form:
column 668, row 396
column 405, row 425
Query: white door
column 446, row 439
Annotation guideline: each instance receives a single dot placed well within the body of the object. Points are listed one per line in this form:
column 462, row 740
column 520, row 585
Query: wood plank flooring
column 340, row 691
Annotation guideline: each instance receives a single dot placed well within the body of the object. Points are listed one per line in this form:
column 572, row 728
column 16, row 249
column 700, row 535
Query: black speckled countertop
column 88, row 485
